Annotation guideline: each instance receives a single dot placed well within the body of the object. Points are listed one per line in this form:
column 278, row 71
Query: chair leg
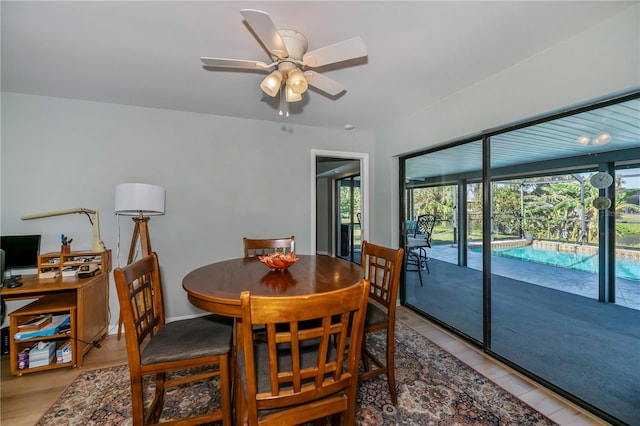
column 408, row 261
column 239, row 406
column 137, row 402
column 155, row 410
column 225, row 389
column 391, row 375
column 120, row 327
column 423, row 255
column 363, row 353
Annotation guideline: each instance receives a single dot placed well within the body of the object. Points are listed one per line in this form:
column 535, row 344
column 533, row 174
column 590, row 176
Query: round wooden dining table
column 216, row 287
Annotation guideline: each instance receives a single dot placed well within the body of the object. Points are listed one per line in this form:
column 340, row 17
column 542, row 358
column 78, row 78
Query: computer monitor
column 20, row 251
column 1, row 264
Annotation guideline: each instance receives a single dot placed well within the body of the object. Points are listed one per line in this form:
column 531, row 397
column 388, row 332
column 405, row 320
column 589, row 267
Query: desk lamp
column 98, row 245
column 140, row 200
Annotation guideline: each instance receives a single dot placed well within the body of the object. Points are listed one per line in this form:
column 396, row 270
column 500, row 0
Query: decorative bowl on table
column 278, row 261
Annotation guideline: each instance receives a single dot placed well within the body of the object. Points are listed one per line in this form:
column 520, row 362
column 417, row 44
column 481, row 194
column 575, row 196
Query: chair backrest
column 425, row 224
column 424, row 227
column 410, row 227
column 139, row 291
column 306, row 356
column 382, row 267
column 256, row 247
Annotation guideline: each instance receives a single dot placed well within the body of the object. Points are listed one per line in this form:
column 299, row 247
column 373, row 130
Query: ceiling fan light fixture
column 292, row 96
column 297, row 82
column 271, row 83
column 288, row 52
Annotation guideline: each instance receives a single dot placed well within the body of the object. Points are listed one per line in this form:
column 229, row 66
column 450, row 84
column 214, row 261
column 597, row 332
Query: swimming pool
column 625, row 268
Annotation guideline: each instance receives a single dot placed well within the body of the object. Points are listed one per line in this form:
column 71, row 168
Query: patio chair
column 300, row 373
column 155, row 348
column 416, row 244
column 382, row 267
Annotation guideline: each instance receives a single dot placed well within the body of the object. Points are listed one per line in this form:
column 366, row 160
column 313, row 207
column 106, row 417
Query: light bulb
column 602, row 139
column 583, row 140
column 297, row 82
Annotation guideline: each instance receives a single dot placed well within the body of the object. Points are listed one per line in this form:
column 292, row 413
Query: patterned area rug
column 434, row 388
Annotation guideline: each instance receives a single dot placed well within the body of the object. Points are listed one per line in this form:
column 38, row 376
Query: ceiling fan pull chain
column 284, row 106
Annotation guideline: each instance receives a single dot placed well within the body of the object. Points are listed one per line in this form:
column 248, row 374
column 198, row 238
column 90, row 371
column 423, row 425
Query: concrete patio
column 568, row 280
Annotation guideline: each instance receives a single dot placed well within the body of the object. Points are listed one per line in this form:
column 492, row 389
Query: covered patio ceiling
column 609, row 128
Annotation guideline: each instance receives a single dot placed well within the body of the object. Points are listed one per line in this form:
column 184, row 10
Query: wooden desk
column 216, row 287
column 90, row 300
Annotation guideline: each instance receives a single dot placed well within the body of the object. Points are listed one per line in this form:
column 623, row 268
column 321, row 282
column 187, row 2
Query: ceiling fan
column 290, row 71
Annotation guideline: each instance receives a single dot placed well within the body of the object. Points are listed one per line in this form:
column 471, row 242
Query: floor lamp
column 139, row 200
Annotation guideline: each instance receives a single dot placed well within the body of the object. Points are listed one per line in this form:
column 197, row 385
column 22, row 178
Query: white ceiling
column 146, row 53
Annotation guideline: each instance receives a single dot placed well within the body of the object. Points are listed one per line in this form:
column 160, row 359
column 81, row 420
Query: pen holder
column 66, row 249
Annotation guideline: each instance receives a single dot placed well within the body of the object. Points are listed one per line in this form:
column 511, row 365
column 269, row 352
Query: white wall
column 225, row 178
column 602, row 60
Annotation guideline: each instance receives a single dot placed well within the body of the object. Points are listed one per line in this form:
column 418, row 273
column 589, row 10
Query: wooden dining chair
column 382, row 267
column 301, row 372
column 257, row 247
column 155, row 348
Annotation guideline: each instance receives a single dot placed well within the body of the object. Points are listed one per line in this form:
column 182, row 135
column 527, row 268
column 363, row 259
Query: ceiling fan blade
column 262, row 25
column 324, row 83
column 337, row 52
column 233, row 63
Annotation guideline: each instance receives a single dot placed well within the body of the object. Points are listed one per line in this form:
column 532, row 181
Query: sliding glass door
column 442, row 280
column 349, row 227
column 535, row 255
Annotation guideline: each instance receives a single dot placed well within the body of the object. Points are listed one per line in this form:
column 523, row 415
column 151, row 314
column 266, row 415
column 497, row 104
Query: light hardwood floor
column 25, row 399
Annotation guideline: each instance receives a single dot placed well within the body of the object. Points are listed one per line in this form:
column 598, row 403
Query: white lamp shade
column 133, row 199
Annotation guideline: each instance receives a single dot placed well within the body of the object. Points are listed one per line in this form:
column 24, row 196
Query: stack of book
column 63, row 353
column 36, row 323
column 42, row 354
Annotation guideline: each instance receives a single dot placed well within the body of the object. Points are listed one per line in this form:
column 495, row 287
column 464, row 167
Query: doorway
column 348, row 225
column 327, row 168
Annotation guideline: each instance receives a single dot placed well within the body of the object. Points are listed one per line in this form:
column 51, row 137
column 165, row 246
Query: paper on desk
column 57, row 322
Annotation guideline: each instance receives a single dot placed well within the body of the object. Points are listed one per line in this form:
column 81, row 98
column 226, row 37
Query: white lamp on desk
column 140, row 200
column 98, row 245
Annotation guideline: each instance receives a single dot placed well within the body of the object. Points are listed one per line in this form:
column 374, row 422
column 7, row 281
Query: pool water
column 625, row 268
